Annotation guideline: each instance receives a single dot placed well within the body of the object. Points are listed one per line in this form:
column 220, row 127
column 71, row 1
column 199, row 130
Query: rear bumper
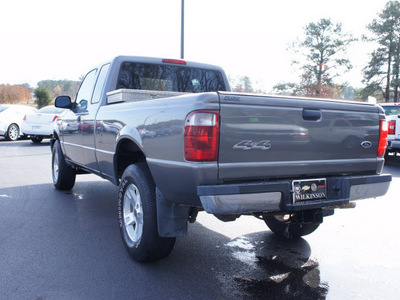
column 3, row 128
column 277, row 195
column 393, row 145
column 40, row 130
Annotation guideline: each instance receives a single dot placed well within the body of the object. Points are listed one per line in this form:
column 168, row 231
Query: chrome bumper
column 393, row 145
column 277, row 196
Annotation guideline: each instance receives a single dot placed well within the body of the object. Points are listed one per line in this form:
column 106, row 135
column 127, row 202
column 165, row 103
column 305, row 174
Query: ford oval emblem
column 366, row 144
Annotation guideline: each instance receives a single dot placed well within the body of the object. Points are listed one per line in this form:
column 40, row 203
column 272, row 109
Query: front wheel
column 12, row 133
column 138, row 216
column 286, row 226
column 63, row 175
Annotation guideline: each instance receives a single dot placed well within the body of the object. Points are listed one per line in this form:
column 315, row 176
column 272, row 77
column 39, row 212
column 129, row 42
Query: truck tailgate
column 275, row 137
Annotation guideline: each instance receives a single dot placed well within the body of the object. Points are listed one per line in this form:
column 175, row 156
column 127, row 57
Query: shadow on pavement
column 24, row 143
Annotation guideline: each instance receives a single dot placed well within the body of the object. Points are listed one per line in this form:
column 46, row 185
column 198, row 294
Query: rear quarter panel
column 157, row 127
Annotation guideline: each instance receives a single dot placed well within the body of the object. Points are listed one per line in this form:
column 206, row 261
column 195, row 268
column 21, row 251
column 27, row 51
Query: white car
column 40, row 124
column 392, row 111
column 11, row 116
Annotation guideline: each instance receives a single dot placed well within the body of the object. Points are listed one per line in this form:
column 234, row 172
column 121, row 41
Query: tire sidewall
column 135, row 175
column 9, row 137
column 55, row 153
column 150, row 246
column 66, row 175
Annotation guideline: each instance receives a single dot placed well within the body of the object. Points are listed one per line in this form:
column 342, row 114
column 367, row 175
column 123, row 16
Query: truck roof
column 158, row 60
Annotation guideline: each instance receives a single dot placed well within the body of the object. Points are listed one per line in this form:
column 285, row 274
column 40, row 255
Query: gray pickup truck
column 177, row 141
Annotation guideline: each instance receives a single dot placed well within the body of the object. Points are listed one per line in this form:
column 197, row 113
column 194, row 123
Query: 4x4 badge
column 251, row 145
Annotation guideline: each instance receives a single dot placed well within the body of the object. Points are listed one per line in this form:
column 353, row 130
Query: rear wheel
column 63, row 175
column 36, row 139
column 12, row 133
column 138, row 216
column 287, row 226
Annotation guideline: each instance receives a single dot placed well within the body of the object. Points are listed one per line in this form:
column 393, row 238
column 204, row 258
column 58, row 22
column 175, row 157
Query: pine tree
column 382, row 72
column 42, row 95
column 324, row 48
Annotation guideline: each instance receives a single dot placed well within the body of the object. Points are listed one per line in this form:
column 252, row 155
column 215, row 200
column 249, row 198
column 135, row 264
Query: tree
column 13, row 94
column 42, row 95
column 242, row 85
column 382, row 72
column 323, row 57
column 286, row 88
column 27, row 86
column 60, row 87
column 57, row 91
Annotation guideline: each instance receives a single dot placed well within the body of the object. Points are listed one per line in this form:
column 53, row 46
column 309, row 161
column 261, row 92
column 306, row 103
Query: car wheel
column 138, row 217
column 37, row 139
column 12, row 133
column 63, row 175
column 281, row 225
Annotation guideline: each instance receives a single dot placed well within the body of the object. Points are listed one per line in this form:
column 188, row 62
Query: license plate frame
column 309, row 190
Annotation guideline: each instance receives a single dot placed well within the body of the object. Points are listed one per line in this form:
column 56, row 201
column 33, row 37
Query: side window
column 86, row 89
column 100, row 83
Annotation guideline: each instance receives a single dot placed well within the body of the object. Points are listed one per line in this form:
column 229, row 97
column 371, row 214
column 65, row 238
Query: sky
column 52, row 39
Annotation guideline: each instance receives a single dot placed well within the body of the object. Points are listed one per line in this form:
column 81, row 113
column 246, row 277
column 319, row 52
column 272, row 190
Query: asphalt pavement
column 67, row 245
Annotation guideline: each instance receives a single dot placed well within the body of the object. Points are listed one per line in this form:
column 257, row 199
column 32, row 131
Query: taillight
column 55, row 118
column 383, row 133
column 392, row 127
column 24, row 118
column 201, row 137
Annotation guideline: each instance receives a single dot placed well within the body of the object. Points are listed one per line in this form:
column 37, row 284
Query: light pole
column 182, row 29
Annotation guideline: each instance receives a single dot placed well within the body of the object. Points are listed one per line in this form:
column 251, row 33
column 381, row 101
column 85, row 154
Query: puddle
column 276, row 268
column 243, row 250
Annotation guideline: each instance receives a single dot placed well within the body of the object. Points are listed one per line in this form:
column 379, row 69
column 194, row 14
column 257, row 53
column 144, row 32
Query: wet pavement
column 66, row 245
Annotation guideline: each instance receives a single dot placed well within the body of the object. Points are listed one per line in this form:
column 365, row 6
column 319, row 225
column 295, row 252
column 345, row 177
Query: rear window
column 3, row 108
column 157, row 77
column 391, row 110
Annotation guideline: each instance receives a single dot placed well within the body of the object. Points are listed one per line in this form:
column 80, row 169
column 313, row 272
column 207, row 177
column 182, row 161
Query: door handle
column 312, row 115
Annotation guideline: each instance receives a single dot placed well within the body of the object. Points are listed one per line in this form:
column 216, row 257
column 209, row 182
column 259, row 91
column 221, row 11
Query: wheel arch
column 127, row 152
column 53, row 139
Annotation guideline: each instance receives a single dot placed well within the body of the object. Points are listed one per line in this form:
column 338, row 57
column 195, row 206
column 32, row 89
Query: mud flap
column 172, row 219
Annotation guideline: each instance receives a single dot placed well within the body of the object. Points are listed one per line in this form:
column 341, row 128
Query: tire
column 279, row 225
column 63, row 175
column 37, row 139
column 12, row 133
column 138, row 216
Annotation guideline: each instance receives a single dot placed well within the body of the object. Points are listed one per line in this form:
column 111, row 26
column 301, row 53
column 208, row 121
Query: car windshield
column 51, row 110
column 3, row 108
column 391, row 110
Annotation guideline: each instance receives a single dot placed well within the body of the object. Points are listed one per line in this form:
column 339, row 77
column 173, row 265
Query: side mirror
column 63, row 102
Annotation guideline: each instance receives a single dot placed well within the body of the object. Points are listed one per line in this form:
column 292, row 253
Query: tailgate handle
column 312, row 115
